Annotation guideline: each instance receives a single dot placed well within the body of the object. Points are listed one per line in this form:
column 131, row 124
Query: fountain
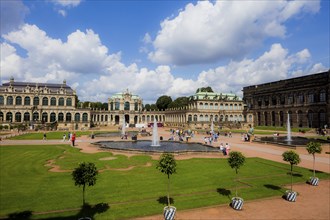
column 288, row 127
column 155, row 140
column 123, row 129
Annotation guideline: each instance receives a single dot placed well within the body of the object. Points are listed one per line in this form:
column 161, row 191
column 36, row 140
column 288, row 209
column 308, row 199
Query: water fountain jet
column 155, row 139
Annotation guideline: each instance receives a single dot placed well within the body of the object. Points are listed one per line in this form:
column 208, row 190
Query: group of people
column 71, row 138
column 224, row 149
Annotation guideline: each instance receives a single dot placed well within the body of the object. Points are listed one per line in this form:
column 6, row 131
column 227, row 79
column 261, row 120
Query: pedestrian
column 64, row 137
column 73, row 139
column 227, row 148
column 45, row 137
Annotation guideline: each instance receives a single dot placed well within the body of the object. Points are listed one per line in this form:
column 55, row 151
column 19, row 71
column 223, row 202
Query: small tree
column 293, row 158
column 236, row 160
column 84, row 175
column 167, row 165
column 313, row 148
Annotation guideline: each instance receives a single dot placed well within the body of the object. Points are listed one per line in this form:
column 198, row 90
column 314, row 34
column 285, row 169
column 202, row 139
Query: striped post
column 169, row 212
column 290, row 196
column 314, row 181
column 237, row 203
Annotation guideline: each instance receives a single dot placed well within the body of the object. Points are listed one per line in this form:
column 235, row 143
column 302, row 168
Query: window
column 68, row 102
column 85, row 117
column 195, row 117
column 44, row 101
column 310, row 97
column 18, row 117
column 60, row 117
column 300, row 98
column 111, row 106
column 61, row 101
column 27, row 100
column 117, row 104
column 322, row 96
column 52, row 117
column 10, row 100
column 26, row 116
column 36, row 101
column 1, row 100
column 68, row 117
column 44, row 117
column 9, row 116
column 35, row 116
column 53, row 101
column 77, row 117
column 126, row 106
column 290, row 99
column 136, row 106
column 18, row 100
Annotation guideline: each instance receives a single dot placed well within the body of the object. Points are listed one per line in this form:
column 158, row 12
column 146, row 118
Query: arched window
column 53, row 101
column 35, row 116
column 18, row 100
column 221, row 106
column 36, row 101
column 310, row 97
column 126, row 106
column 27, row 100
column 1, row 116
column 85, row 117
column 206, row 106
column 9, row 116
column 26, row 116
column 195, row 117
column 201, row 118
column 18, row 117
column 44, row 101
column 44, row 117
column 2, row 101
column 68, row 117
column 189, row 118
column 10, row 100
column 77, row 117
column 52, row 117
column 136, row 106
column 117, row 104
column 60, row 117
column 68, row 102
column 61, row 101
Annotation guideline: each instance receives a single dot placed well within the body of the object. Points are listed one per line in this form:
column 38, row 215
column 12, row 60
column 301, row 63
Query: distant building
column 41, row 105
column 306, row 99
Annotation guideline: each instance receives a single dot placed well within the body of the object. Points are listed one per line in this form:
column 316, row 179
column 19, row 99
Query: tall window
column 44, row 101
column 117, row 104
column 85, row 117
column 77, row 117
column 10, row 100
column 26, row 116
column 68, row 117
column 2, row 101
column 136, row 106
column 18, row 100
column 300, row 98
column 53, row 101
column 61, row 101
column 290, row 99
column 36, row 101
column 44, row 117
column 323, row 96
column 126, row 106
column 35, row 116
column 310, row 97
column 60, row 116
column 52, row 117
column 68, row 102
column 9, row 116
column 18, row 117
column 27, row 100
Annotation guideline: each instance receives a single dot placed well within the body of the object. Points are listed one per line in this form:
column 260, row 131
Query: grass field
column 28, row 188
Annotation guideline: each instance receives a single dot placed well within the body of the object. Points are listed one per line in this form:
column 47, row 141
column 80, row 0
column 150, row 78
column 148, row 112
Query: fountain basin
column 165, row 146
column 283, row 141
column 115, row 134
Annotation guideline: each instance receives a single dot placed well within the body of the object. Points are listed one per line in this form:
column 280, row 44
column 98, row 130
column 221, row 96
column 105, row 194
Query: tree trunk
column 83, row 194
column 314, row 165
column 236, row 183
column 168, row 191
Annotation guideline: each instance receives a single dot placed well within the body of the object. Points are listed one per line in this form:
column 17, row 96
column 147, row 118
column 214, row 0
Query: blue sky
column 156, row 48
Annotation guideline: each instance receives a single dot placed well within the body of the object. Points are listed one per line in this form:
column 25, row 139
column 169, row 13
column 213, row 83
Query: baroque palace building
column 305, row 99
column 41, row 105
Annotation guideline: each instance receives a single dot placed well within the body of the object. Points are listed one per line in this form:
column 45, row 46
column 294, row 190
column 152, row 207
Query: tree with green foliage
column 167, row 165
column 147, row 107
column 85, row 174
column 163, row 102
column 204, row 89
column 313, row 148
column 153, row 107
column 293, row 158
column 179, row 102
column 236, row 160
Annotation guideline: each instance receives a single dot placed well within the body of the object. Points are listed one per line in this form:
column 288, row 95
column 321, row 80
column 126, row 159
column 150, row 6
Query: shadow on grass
column 295, row 174
column 163, row 200
column 86, row 211
column 316, row 171
column 224, row 192
column 273, row 187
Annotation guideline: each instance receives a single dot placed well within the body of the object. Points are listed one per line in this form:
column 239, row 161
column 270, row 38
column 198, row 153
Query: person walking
column 45, row 136
column 73, row 139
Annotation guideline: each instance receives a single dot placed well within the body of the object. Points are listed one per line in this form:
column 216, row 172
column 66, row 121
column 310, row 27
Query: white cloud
column 62, row 12
column 210, row 31
column 12, row 14
column 88, row 66
column 67, row 3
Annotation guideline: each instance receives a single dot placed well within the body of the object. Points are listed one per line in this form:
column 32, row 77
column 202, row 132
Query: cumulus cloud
column 97, row 74
column 67, row 3
column 211, row 31
column 12, row 14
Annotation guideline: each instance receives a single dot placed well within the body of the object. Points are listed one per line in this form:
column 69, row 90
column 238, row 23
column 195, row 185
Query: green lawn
column 26, row 185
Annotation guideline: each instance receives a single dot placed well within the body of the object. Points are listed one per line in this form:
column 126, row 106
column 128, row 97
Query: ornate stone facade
column 306, row 99
column 41, row 104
